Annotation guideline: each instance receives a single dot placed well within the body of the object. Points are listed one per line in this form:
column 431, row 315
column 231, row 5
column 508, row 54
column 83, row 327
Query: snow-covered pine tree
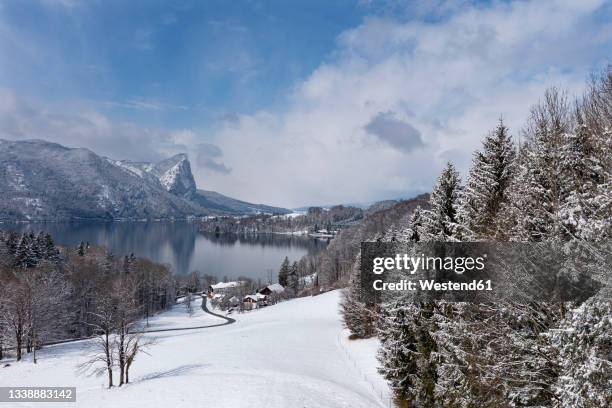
column 47, row 248
column 398, row 352
column 37, row 250
column 283, row 273
column 465, row 338
column 488, row 356
column 601, row 219
column 25, row 255
column 487, row 185
column 12, row 241
column 416, row 225
column 584, row 343
column 293, row 279
column 424, row 323
column 540, row 187
column 587, row 209
column 358, row 317
column 440, row 222
column 408, row 353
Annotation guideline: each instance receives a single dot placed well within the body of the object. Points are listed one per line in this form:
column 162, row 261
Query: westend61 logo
column 479, row 271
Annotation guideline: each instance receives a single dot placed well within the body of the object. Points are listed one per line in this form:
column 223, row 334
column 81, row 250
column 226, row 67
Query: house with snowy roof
column 250, row 302
column 273, row 288
column 225, row 288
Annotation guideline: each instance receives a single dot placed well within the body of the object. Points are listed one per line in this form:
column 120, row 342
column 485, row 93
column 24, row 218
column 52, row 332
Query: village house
column 225, row 288
column 250, row 302
column 273, row 288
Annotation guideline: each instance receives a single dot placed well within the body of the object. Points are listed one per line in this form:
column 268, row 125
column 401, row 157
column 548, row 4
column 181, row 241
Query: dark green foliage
column 27, row 250
column 293, row 279
column 283, row 273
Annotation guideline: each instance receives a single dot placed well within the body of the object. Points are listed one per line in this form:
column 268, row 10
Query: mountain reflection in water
column 181, row 245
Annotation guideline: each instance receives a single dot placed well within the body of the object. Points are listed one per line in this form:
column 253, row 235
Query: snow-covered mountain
column 174, row 174
column 40, row 180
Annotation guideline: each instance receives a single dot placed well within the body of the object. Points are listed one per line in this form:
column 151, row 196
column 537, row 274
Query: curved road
column 228, row 320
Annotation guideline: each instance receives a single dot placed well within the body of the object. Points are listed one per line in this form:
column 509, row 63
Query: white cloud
column 450, row 79
column 446, row 81
column 78, row 125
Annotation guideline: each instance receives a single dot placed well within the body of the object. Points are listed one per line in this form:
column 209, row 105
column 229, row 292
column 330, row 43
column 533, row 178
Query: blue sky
column 171, row 63
column 291, row 102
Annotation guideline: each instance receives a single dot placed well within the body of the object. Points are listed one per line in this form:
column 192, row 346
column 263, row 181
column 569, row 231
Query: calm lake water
column 182, row 246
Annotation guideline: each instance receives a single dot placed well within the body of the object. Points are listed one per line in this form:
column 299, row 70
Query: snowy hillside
column 292, row 354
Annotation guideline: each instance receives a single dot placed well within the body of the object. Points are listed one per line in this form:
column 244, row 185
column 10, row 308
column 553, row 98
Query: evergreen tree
column 293, row 279
column 358, row 317
column 541, row 187
column 398, row 354
column 487, row 186
column 408, row 353
column 283, row 273
column 25, row 255
column 36, row 249
column 587, row 208
column 584, row 342
column 47, row 247
column 12, row 241
column 416, row 225
column 440, row 223
column 558, row 187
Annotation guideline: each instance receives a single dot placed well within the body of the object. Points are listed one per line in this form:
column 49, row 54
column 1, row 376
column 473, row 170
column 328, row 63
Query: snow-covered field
column 179, row 318
column 293, row 354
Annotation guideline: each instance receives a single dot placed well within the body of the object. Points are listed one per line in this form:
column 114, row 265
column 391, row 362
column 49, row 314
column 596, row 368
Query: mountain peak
column 175, row 175
column 43, row 181
column 179, row 156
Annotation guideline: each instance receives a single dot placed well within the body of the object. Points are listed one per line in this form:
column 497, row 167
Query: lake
column 181, row 245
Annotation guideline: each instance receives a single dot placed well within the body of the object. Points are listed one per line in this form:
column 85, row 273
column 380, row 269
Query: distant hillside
column 313, row 220
column 46, row 181
column 214, row 200
column 334, row 264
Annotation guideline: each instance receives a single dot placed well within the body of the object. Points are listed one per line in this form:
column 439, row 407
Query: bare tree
column 124, row 293
column 103, row 323
column 14, row 313
column 189, row 303
column 135, row 342
column 46, row 294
